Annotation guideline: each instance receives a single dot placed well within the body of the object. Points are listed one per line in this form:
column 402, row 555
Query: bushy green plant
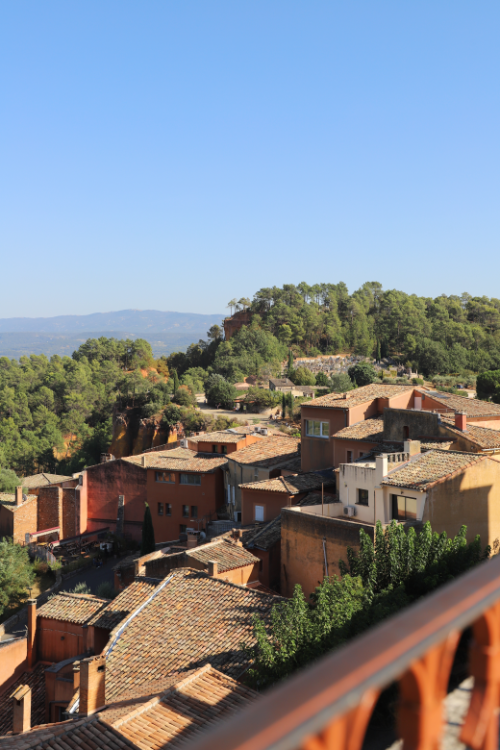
column 378, row 581
column 81, row 588
column 106, row 590
column 16, row 574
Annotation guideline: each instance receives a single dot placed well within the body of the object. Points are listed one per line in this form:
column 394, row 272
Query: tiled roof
column 36, row 681
column 473, row 407
column 89, row 733
column 125, row 603
column 281, row 382
column 186, row 710
column 75, row 608
column 201, row 463
column 292, row 485
column 192, row 620
column 227, row 554
column 9, row 500
column 371, row 430
column 43, row 480
column 483, row 437
column 267, row 452
column 432, row 445
column 425, row 469
column 188, row 707
column 220, row 437
column 358, row 396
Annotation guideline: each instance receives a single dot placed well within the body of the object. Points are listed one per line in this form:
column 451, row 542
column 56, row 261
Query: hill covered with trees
column 56, row 414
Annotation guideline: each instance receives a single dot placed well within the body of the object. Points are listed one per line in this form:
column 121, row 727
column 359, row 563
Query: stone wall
column 302, row 550
column 419, row 423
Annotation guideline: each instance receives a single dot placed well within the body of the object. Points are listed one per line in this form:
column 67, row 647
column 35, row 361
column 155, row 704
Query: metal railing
column 328, row 705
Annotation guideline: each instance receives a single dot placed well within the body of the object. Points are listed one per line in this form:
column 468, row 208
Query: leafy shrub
column 106, row 590
column 40, row 567
column 81, row 588
column 417, row 381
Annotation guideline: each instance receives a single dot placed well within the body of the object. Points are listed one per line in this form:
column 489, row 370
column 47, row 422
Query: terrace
column 328, row 705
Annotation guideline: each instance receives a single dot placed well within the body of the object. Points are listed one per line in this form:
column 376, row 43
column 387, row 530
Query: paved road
column 92, row 577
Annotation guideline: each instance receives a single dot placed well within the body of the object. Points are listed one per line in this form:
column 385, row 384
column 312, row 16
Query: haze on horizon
column 171, row 157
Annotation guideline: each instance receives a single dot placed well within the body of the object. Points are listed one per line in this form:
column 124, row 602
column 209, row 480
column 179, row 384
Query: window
column 165, row 476
column 160, row 509
column 349, row 457
column 224, row 449
column 185, row 511
column 259, row 513
column 406, row 432
column 182, row 528
column 168, row 509
column 404, row 508
column 190, row 479
column 317, row 429
column 362, row 497
column 215, row 449
column 194, row 511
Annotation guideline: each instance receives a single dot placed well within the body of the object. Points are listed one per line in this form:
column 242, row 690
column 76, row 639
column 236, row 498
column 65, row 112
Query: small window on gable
column 160, row 509
column 349, row 457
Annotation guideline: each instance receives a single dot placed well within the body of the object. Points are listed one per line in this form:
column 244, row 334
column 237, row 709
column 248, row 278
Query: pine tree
column 283, row 405
column 290, row 405
column 290, row 361
column 148, row 533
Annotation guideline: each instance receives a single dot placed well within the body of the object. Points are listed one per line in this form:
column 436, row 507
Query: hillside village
column 227, row 491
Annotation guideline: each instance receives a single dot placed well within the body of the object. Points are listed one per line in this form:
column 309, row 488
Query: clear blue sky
column 173, row 155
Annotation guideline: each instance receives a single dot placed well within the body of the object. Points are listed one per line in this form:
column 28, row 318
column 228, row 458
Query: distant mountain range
column 165, row 331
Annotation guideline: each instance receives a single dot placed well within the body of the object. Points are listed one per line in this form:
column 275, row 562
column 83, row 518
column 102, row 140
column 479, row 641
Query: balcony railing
column 328, row 705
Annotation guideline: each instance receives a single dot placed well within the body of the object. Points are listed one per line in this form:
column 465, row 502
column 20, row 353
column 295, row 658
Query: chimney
column 412, row 447
column 31, row 632
column 76, row 676
column 461, row 421
column 92, row 685
column 380, row 468
column 212, row 568
column 22, row 710
column 19, row 495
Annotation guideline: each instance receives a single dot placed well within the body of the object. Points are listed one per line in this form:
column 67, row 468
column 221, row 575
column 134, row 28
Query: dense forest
column 56, row 415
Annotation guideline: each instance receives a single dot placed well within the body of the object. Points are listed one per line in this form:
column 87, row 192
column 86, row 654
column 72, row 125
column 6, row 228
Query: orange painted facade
column 272, row 502
column 205, row 498
column 57, row 640
column 318, row 452
column 211, row 446
column 13, row 660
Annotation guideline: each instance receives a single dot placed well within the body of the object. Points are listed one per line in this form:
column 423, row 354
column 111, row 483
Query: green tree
column 16, row 574
column 8, row 480
column 322, row 379
column 148, row 533
column 362, row 374
column 303, row 376
column 219, row 392
column 341, row 382
column 488, row 386
column 175, row 379
column 172, row 415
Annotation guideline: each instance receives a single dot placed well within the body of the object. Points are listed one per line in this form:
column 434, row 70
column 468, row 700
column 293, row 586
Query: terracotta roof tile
column 358, row 396
column 483, row 437
column 89, row 733
column 371, row 430
column 291, row 485
column 36, row 681
column 76, row 608
column 192, row 620
column 190, row 461
column 125, row 603
column 227, row 554
column 267, row 452
column 473, row 407
column 221, row 437
column 425, row 469
column 43, row 480
column 9, row 500
column 191, row 706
